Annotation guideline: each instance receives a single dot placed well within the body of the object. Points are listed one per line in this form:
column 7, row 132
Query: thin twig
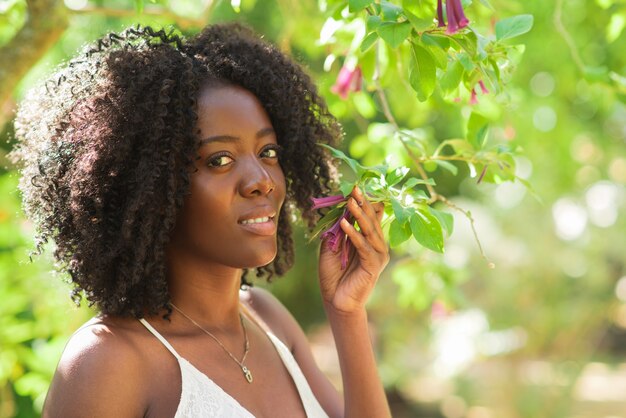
column 387, row 112
column 469, row 216
column 558, row 23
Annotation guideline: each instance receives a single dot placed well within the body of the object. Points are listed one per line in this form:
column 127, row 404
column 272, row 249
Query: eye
column 219, row 160
column 271, row 151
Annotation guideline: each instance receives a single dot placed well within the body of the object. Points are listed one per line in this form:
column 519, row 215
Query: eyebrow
column 230, row 138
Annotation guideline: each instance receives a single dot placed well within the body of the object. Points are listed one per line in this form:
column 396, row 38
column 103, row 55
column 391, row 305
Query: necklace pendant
column 247, row 373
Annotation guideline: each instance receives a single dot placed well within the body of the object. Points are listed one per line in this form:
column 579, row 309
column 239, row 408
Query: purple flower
column 440, row 20
column 334, row 236
column 347, row 81
column 324, row 202
column 336, row 240
column 456, row 16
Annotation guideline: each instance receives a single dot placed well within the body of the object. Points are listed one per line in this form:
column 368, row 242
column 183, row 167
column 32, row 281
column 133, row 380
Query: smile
column 264, row 226
column 255, row 220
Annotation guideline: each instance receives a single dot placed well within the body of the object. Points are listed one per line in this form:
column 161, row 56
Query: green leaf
column 346, row 187
column 445, row 219
column 452, row 78
column 477, row 128
column 461, row 147
column 513, row 26
column 440, row 56
column 435, row 40
column 394, row 33
column 368, row 41
column 427, row 230
column 399, row 232
column 390, row 11
column 413, row 181
column 418, row 23
column 466, row 62
column 467, row 43
column 402, row 214
column 358, row 5
column 372, row 23
column 352, row 163
column 423, row 73
column 395, row 176
column 446, row 165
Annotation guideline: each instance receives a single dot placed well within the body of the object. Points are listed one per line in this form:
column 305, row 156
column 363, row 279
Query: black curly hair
column 106, row 147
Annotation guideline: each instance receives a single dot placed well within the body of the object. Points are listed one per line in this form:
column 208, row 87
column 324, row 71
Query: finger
column 367, row 225
column 358, row 240
column 373, row 211
column 372, row 260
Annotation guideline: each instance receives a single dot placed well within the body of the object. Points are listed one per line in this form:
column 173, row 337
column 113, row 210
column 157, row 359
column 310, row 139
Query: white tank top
column 202, row 398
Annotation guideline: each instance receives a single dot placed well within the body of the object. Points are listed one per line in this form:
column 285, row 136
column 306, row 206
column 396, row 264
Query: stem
column 469, row 216
column 558, row 23
column 387, row 112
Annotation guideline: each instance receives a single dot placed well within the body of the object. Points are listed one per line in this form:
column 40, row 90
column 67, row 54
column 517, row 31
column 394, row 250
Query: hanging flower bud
column 482, row 87
column 348, row 80
column 456, row 16
column 440, row 20
column 324, row 202
column 473, row 98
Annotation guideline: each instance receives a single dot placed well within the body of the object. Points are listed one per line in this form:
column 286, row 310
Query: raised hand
column 347, row 290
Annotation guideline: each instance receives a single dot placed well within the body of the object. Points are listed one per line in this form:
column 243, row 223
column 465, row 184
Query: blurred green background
column 543, row 334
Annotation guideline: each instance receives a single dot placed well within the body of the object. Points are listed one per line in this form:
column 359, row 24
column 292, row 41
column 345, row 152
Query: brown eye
column 219, row 161
column 270, row 152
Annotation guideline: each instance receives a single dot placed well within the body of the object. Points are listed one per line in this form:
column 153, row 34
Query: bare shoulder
column 99, row 374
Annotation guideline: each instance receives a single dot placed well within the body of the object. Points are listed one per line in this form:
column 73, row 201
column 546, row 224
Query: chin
column 260, row 260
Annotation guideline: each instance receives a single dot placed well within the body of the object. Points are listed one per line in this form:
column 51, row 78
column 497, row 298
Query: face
column 230, row 217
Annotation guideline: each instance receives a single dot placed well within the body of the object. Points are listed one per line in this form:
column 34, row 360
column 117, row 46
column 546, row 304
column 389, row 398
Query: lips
column 260, row 221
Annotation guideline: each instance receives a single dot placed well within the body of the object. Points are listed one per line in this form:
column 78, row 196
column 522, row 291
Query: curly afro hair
column 106, row 147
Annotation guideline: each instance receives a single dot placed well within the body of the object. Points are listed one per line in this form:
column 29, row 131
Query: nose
column 257, row 180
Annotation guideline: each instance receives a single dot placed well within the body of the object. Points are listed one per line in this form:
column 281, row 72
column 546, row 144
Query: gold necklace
column 246, row 348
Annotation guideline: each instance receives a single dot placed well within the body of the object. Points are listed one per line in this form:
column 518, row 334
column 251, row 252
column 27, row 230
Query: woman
column 163, row 169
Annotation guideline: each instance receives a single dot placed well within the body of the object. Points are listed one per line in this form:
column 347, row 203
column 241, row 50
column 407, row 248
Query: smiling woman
column 164, row 169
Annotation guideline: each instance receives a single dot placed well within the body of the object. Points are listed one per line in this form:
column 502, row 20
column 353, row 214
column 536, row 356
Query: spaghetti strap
column 160, row 337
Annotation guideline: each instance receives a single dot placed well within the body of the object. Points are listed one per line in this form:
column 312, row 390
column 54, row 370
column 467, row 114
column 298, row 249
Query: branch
column 434, row 196
column 469, row 216
column 45, row 23
column 558, row 23
column 387, row 112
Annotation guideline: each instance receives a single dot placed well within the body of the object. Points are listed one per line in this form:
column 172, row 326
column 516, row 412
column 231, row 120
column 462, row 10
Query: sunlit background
column 533, row 326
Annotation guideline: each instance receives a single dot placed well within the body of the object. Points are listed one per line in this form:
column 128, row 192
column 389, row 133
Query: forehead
column 230, row 109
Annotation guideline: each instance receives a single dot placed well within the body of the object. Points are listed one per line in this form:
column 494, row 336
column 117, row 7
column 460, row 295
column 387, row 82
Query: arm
column 98, row 376
column 345, row 293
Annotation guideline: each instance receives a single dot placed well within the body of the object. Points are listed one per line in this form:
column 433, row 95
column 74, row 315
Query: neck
column 206, row 292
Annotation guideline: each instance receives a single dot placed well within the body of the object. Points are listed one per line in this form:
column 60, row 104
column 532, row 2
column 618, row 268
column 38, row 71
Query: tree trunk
column 46, row 22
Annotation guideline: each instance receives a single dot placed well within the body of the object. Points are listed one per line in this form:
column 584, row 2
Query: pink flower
column 324, row 202
column 473, row 99
column 456, row 16
column 439, row 310
column 347, row 81
column 482, row 87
